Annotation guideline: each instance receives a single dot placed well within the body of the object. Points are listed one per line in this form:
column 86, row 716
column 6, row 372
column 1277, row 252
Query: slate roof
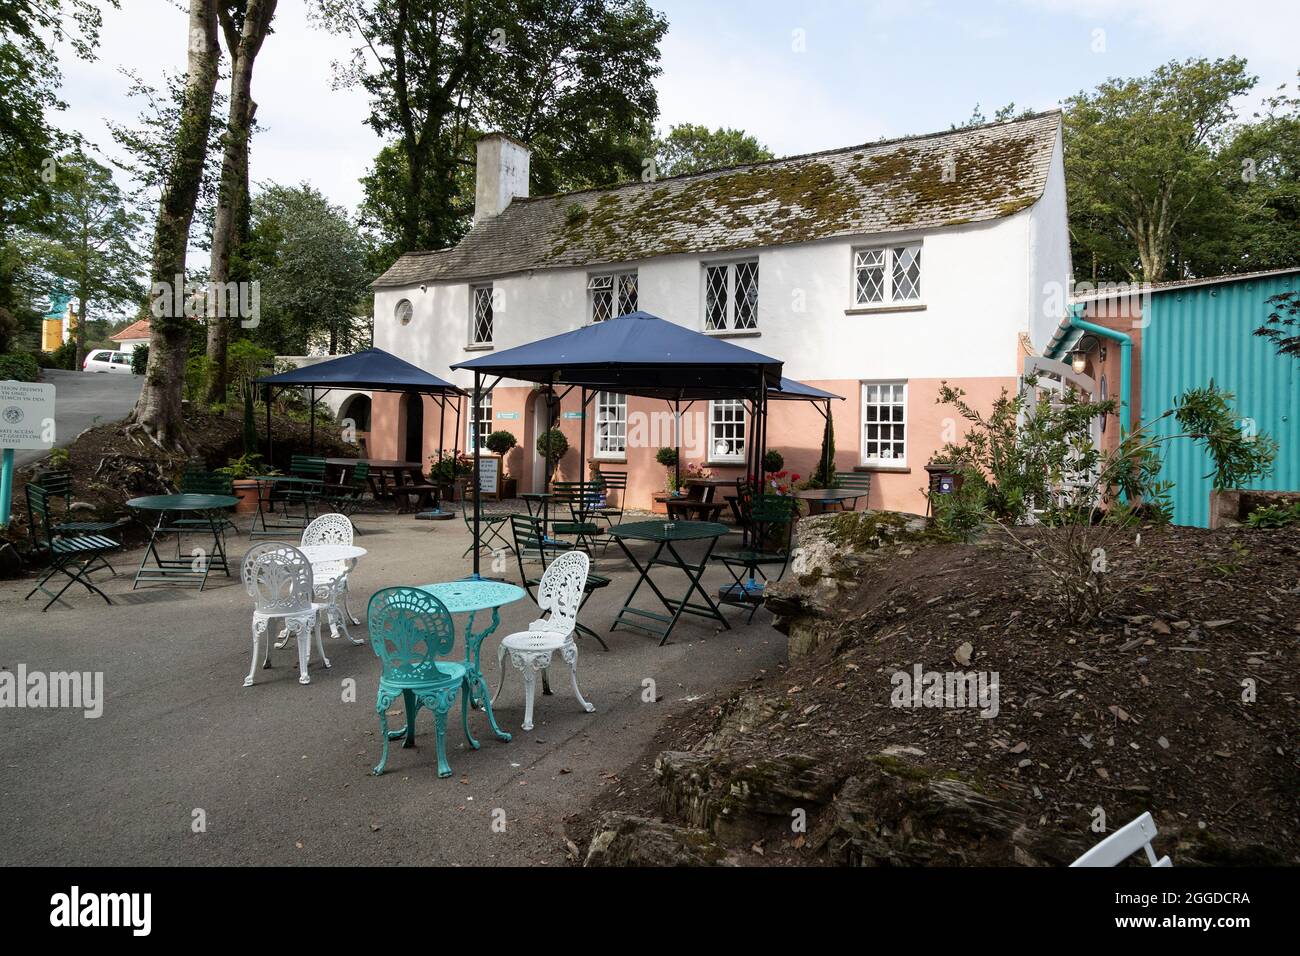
column 943, row 179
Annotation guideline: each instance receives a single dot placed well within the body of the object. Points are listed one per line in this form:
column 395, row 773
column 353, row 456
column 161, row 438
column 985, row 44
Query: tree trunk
column 244, row 46
column 158, row 411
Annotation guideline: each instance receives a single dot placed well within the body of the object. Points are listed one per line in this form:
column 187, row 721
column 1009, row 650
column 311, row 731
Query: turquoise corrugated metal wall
column 1203, row 333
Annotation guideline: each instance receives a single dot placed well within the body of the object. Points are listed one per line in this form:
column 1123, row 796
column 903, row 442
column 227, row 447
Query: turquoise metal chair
column 409, row 628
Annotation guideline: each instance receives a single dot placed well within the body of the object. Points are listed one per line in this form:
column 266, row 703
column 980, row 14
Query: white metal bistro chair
column 278, row 578
column 330, row 579
column 560, row 592
column 1123, row 843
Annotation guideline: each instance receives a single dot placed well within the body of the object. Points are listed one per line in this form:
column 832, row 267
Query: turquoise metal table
column 665, row 534
column 469, row 596
column 182, row 569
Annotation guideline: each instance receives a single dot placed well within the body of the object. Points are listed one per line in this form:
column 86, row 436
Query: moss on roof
column 946, row 179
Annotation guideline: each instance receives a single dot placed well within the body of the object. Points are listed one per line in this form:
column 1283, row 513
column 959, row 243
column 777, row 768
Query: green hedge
column 20, row 366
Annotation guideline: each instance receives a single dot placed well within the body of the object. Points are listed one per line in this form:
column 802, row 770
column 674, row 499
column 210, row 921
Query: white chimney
column 502, row 174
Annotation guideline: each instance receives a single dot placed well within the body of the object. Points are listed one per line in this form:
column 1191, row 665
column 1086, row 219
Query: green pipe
column 1125, row 362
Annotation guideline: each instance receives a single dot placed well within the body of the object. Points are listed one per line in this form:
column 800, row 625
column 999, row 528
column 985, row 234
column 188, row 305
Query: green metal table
column 180, row 569
column 666, row 534
column 469, row 596
column 266, row 485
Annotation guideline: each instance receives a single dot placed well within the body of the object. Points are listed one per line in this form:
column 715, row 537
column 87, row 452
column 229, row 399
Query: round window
column 404, row 312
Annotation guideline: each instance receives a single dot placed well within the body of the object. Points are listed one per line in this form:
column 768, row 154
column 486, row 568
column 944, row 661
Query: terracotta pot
column 245, row 490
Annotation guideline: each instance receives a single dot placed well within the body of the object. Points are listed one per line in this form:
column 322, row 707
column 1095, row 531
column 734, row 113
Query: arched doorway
column 413, row 414
column 356, row 408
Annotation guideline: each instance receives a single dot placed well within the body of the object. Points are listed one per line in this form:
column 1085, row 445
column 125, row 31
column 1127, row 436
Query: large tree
column 311, row 260
column 688, row 148
column 30, row 34
column 1141, row 157
column 158, row 411
column 245, row 24
column 90, row 242
column 573, row 78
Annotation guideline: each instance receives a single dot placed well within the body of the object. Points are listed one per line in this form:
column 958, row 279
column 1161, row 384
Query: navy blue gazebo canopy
column 634, row 354
column 372, row 370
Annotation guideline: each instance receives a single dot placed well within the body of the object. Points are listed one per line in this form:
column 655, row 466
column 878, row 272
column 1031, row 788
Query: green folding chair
column 73, row 555
column 770, row 516
column 582, row 499
column 490, row 527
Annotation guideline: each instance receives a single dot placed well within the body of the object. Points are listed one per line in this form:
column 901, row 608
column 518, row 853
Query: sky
column 799, row 76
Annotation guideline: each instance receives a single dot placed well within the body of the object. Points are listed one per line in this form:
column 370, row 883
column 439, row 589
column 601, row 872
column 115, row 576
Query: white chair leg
column 320, row 646
column 350, row 615
column 302, row 635
column 530, row 681
column 252, row 668
column 570, row 654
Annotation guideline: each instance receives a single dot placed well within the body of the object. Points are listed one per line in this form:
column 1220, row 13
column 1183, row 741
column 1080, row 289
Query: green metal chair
column 196, row 481
column 532, row 545
column 612, row 489
column 59, row 484
column 74, row 555
column 770, row 516
column 490, row 527
column 306, row 495
column 857, row 480
column 582, row 499
column 345, row 498
column 409, row 628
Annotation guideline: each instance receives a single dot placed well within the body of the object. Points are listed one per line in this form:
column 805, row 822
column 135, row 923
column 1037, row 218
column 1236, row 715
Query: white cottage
column 876, row 272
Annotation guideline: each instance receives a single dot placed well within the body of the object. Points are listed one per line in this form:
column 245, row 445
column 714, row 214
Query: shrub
column 666, row 457
column 500, row 442
column 19, row 366
column 962, row 514
column 1039, row 464
column 65, row 356
column 552, row 445
column 773, row 461
column 1274, row 516
column 140, row 359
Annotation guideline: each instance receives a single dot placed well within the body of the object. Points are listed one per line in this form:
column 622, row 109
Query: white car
column 106, row 360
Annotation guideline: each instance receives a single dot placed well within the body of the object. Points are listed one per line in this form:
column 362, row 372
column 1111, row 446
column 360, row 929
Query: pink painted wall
column 795, row 429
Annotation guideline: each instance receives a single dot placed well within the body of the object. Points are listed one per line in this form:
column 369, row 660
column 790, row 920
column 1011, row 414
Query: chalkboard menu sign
column 489, row 476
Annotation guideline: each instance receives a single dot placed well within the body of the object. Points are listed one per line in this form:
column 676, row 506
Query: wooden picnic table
column 385, row 476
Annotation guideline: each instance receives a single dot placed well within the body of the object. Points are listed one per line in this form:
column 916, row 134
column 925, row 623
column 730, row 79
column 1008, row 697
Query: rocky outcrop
column 831, row 554
column 625, row 840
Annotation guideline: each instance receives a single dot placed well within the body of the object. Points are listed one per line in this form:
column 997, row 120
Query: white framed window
column 611, row 425
column 887, row 275
column 884, row 424
column 611, row 295
column 478, row 430
column 727, row 431
column 480, row 319
column 731, row 296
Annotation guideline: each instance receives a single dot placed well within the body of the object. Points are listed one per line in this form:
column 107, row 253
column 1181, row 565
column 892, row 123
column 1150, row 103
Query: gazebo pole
column 312, row 394
column 677, row 443
column 267, row 396
column 478, row 398
column 826, row 458
column 582, row 445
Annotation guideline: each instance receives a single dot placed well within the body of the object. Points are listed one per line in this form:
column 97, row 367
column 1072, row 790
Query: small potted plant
column 668, row 458
column 773, row 461
column 500, row 443
column 552, row 446
column 240, row 471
